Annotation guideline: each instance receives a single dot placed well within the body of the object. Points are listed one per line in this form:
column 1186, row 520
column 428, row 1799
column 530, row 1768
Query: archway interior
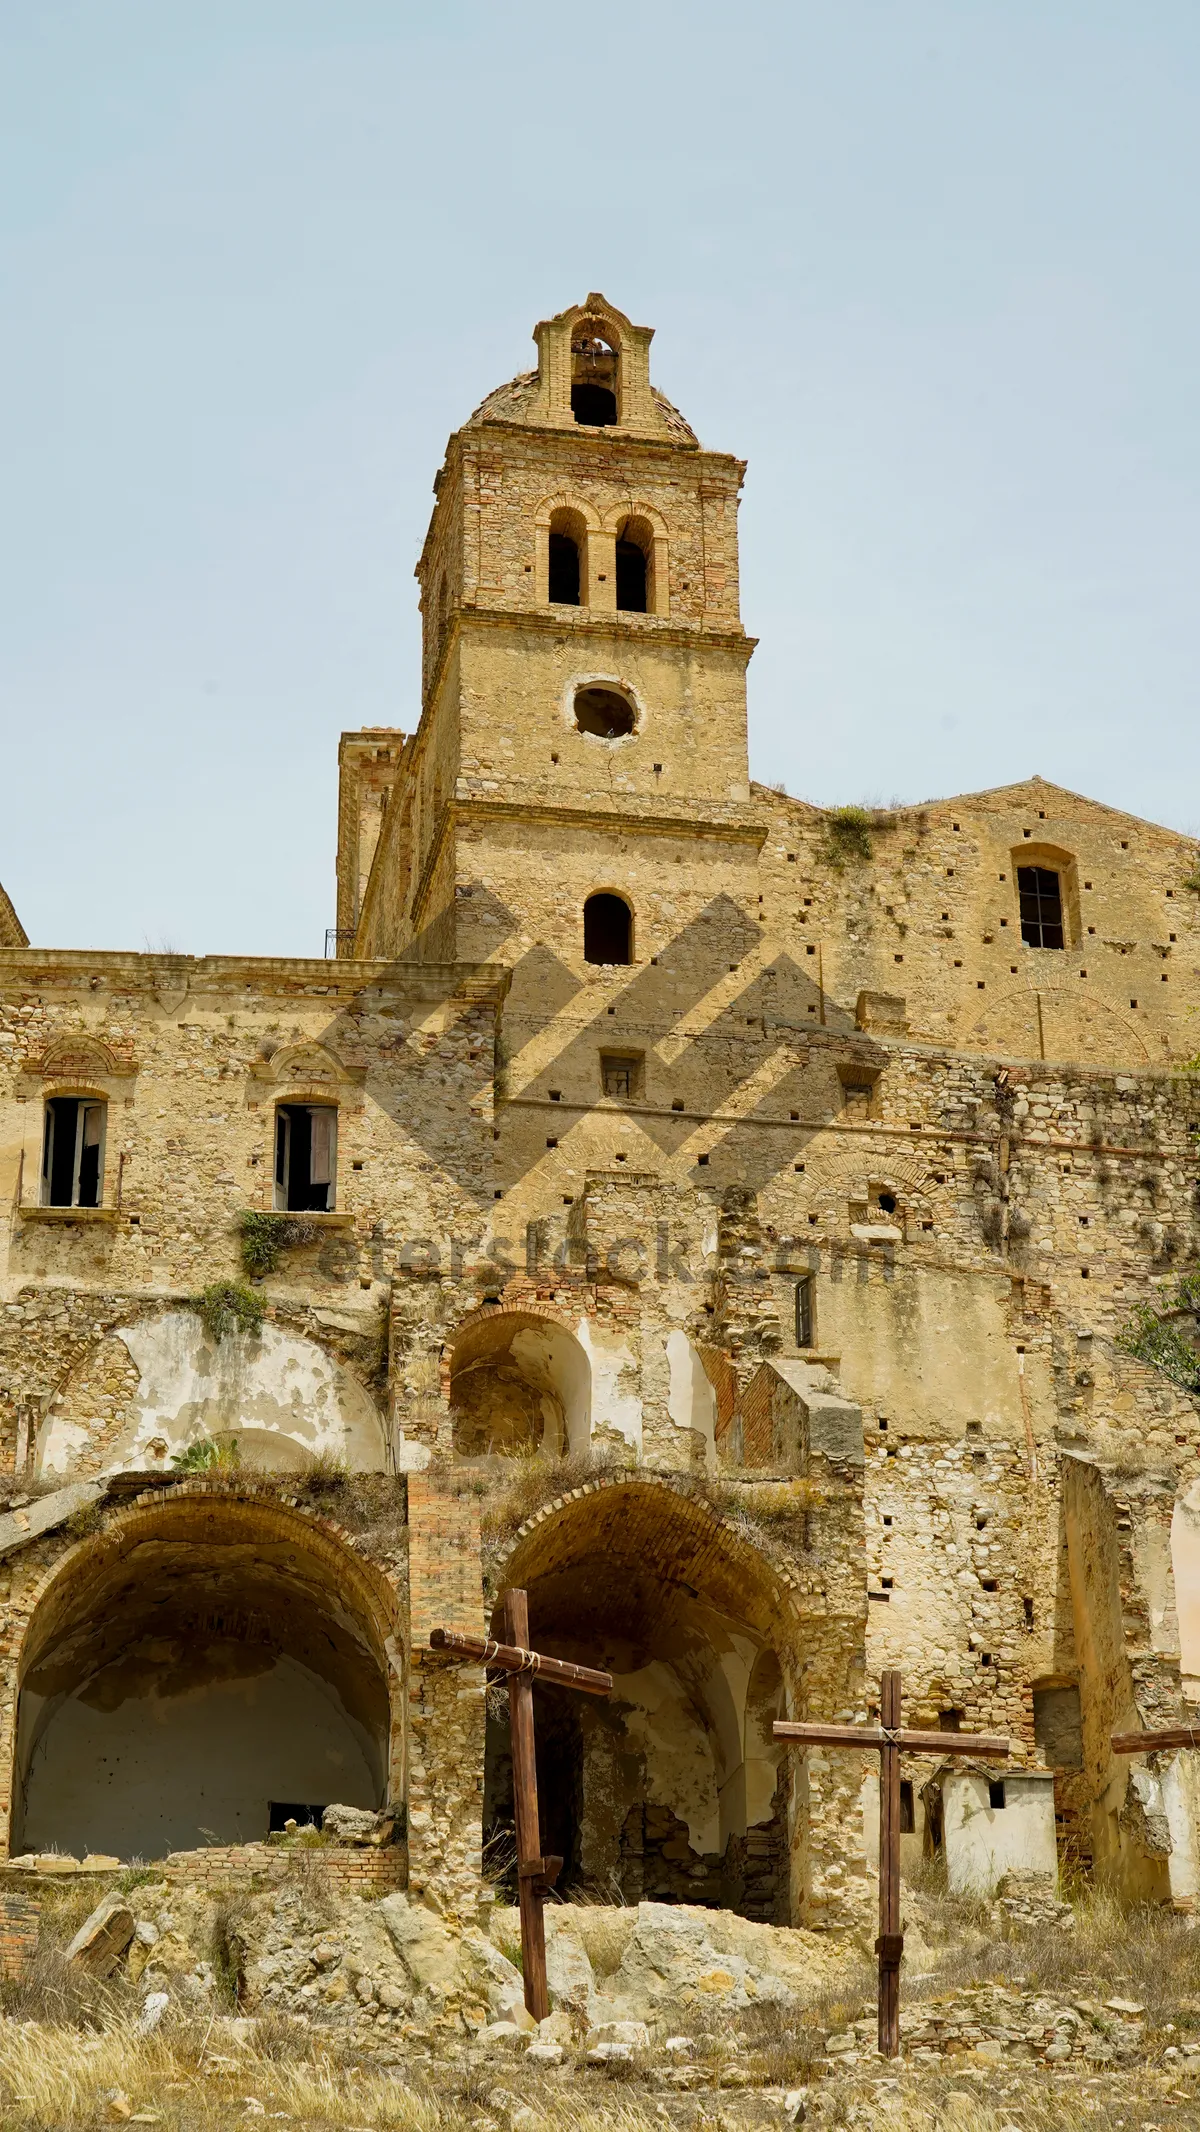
column 182, row 1690
column 673, row 1790
column 518, row 1382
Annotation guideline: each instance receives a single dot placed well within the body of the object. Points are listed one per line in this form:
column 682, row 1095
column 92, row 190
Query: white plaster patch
column 680, row 1767
column 691, row 1401
column 60, row 1445
column 612, row 1407
column 282, row 1396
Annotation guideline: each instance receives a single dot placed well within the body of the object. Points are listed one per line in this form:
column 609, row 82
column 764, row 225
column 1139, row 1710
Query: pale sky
column 932, row 269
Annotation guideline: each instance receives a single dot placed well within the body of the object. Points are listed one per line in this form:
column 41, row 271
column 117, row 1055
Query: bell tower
column 583, row 723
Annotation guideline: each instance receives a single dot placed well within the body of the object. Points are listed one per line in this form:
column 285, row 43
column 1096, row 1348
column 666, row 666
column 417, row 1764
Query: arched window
column 594, row 383
column 607, row 929
column 604, row 711
column 565, row 580
column 634, row 550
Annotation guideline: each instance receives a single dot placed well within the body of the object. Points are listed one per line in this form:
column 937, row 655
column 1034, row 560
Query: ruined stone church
column 671, row 1198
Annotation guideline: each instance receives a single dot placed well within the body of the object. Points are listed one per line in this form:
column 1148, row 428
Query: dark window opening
column 908, row 1808
column 1040, row 895
column 804, row 1311
column 281, row 1811
column 564, row 570
column 996, row 1792
column 620, row 1077
column 603, row 711
column 72, row 1152
column 305, row 1158
column 631, row 577
column 950, row 1720
column 607, row 929
column 887, row 1202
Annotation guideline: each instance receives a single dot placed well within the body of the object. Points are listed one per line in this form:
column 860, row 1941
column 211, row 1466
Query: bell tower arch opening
column 595, row 374
column 201, row 1659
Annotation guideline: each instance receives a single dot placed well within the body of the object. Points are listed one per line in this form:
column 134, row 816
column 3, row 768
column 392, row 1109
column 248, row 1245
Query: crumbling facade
column 673, row 1198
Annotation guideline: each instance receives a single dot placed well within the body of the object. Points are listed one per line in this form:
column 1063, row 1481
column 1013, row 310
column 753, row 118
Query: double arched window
column 615, row 563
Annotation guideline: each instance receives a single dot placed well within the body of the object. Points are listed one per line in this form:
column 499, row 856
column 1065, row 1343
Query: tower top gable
column 593, row 373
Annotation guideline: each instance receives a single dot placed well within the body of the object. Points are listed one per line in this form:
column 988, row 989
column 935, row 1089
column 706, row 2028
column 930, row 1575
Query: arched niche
column 279, row 1395
column 201, row 1659
column 672, row 1790
column 519, row 1381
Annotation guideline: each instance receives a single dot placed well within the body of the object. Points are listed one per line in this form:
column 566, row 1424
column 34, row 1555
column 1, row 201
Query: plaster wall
column 985, row 1842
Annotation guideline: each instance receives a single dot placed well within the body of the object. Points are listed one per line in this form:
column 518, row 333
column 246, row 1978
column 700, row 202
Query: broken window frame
column 1042, row 909
column 322, row 1156
column 89, row 1129
column 806, row 1316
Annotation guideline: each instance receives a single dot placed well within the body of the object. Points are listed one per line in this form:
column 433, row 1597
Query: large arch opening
column 519, row 1382
column 673, row 1789
column 204, row 1660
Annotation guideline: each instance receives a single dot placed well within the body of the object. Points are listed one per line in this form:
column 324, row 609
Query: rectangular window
column 73, row 1152
column 804, row 1311
column 996, row 1793
column 305, row 1158
column 620, row 1077
column 1040, row 893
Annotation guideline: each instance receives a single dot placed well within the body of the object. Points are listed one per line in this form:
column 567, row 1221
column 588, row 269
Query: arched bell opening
column 202, row 1662
column 673, row 1789
column 519, row 1382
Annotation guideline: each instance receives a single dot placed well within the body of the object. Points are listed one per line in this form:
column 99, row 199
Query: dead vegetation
column 372, row 1506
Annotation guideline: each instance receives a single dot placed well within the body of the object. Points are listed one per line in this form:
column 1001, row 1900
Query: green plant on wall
column 847, row 838
column 226, row 1307
column 264, row 1236
column 1163, row 1345
column 205, row 1456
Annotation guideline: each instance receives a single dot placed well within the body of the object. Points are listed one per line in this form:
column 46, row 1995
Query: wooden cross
column 535, row 1875
column 889, row 1740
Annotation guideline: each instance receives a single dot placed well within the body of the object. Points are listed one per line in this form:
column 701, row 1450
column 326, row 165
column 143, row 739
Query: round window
column 603, row 711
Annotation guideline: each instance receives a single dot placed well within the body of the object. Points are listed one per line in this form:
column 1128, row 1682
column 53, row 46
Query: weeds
column 226, row 1307
column 226, row 1950
column 264, row 1236
column 206, row 1456
column 374, row 1506
column 847, row 838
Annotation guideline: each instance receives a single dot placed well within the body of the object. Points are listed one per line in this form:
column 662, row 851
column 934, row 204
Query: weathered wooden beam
column 1148, row 1742
column 511, row 1658
column 910, row 1740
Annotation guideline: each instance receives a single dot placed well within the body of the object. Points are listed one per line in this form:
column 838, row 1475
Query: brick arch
column 561, row 1370
column 676, row 1789
column 239, row 1546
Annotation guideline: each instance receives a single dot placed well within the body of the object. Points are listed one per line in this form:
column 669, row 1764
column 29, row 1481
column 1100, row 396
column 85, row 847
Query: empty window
column 564, row 570
column 305, row 1157
column 603, row 711
column 804, row 1311
column 908, row 1808
column 607, row 929
column 631, row 577
column 73, row 1152
column 950, row 1720
column 621, row 1077
column 996, row 1795
column 1058, row 1726
column 594, row 364
column 1040, row 892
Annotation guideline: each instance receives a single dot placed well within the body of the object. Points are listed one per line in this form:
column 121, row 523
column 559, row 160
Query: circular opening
column 604, row 712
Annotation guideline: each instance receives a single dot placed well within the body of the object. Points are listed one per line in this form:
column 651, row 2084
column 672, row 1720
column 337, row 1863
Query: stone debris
column 102, row 1939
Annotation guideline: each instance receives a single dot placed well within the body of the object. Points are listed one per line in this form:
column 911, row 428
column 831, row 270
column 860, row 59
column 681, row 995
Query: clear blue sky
column 931, row 268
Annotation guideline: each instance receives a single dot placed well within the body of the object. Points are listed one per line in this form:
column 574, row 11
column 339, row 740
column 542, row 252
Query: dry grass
column 1144, row 1953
